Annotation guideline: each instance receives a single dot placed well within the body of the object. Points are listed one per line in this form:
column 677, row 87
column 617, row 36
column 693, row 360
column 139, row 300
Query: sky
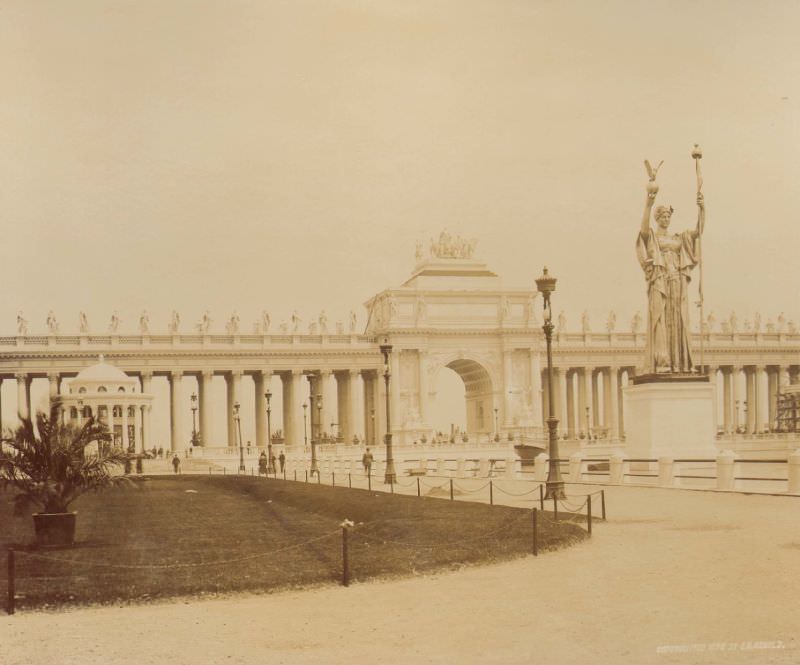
column 279, row 155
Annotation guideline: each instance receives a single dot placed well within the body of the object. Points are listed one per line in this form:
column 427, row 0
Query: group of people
column 267, row 465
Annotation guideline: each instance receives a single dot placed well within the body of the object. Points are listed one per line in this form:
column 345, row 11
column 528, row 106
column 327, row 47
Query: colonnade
column 750, row 395
column 347, row 404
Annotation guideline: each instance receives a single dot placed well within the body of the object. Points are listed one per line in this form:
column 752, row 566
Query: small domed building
column 112, row 397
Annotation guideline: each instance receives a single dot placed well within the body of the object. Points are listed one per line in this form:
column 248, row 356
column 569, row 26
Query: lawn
column 201, row 536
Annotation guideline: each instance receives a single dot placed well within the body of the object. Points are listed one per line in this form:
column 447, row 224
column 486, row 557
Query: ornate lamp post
column 319, row 418
column 239, row 430
column 314, row 461
column 390, row 477
column 195, row 440
column 546, row 284
column 305, row 426
column 496, row 432
column 270, row 463
column 372, row 415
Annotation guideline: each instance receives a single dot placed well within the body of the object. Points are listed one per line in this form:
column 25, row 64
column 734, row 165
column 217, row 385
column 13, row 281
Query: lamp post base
column 554, row 489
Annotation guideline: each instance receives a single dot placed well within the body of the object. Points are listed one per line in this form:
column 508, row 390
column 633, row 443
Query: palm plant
column 53, row 469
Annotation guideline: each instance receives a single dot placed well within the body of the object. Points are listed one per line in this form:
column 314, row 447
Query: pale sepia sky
column 280, row 155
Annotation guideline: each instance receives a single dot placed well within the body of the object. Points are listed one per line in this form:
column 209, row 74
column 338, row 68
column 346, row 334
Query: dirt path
column 673, row 577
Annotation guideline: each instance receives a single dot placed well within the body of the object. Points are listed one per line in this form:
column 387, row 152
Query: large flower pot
column 54, row 529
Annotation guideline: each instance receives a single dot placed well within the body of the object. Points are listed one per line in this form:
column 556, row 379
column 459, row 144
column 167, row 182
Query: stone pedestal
column 670, row 416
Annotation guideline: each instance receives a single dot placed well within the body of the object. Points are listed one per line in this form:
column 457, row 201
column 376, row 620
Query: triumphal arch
column 452, row 312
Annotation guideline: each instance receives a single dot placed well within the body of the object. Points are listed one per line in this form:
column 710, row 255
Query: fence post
column 418, row 492
column 451, row 489
column 223, row 470
column 575, row 464
column 725, row 470
column 319, row 478
column 333, row 479
column 306, row 475
column 369, row 481
column 295, row 475
column 11, row 579
column 350, row 480
column 541, row 497
column 603, row 503
column 794, row 473
column 589, row 514
column 345, row 556
column 535, row 535
column 555, row 508
column 615, row 470
column 284, row 473
column 666, row 473
column 491, row 493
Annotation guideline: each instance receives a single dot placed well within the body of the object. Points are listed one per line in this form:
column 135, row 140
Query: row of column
column 752, row 411
column 588, row 400
column 337, row 396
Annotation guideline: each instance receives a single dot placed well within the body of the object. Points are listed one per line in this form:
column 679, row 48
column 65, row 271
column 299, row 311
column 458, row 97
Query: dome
column 102, row 372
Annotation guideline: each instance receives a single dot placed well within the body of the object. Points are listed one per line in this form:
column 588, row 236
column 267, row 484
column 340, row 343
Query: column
column 328, row 413
column 293, row 431
column 53, row 379
column 583, row 395
column 749, row 375
column 562, row 400
column 773, row 380
column 536, row 388
column 261, row 381
column 620, row 411
column 175, row 402
column 380, row 407
column 233, row 385
column 759, row 395
column 204, row 383
column 593, row 383
column 735, row 405
column 423, row 389
column 394, row 387
column 146, row 427
column 507, row 388
column 726, row 399
column 570, row 381
column 23, row 395
column 613, row 402
column 352, row 406
column 125, row 439
column 110, row 422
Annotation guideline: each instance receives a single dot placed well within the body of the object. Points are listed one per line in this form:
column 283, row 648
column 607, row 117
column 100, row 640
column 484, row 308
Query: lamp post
column 390, row 477
column 239, row 429
column 319, row 418
column 194, row 419
column 546, row 284
column 270, row 463
column 496, row 432
column 314, row 461
column 372, row 415
column 305, row 426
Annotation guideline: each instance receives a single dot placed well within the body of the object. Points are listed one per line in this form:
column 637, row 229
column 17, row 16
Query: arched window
column 121, row 389
column 82, row 389
column 102, row 389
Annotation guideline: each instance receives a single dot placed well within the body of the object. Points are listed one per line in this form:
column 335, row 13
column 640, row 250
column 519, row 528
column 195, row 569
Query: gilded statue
column 667, row 260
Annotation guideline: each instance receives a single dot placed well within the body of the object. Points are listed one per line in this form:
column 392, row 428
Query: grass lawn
column 200, row 536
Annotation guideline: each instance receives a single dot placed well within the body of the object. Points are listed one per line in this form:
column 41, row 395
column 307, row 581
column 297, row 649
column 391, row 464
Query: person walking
column 262, row 464
column 176, row 463
column 367, row 460
column 282, row 461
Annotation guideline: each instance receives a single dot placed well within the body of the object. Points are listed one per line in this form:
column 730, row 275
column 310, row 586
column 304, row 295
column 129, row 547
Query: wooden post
column 589, row 514
column 345, row 558
column 369, row 481
column 11, row 579
column 541, row 497
column 418, row 492
column 535, row 534
column 451, row 489
column 603, row 503
column 491, row 493
column 333, row 479
column 350, row 480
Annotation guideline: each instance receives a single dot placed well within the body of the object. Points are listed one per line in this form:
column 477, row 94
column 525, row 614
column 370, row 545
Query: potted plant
column 48, row 466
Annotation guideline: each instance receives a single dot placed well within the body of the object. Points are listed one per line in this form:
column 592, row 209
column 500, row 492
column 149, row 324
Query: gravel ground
column 673, row 577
